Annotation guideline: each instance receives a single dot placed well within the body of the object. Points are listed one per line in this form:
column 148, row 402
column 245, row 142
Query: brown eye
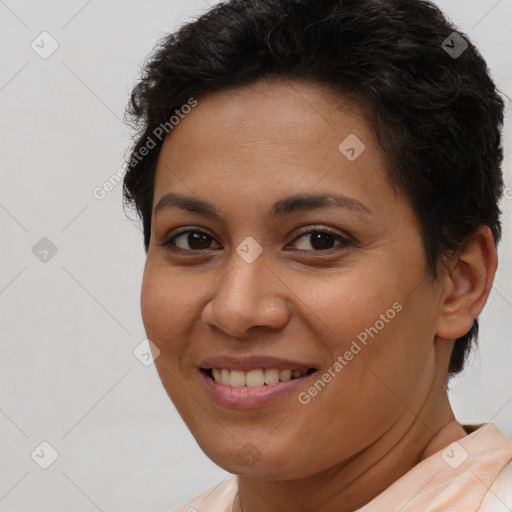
column 191, row 240
column 321, row 240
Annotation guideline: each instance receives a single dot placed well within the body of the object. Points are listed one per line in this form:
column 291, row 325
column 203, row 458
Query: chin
column 249, row 459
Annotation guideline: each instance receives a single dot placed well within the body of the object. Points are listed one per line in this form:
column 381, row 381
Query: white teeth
column 225, row 377
column 217, row 374
column 285, row 375
column 271, row 376
column 237, row 378
column 254, row 378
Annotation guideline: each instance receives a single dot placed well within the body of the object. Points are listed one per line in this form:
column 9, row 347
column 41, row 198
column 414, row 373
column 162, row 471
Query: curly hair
column 437, row 115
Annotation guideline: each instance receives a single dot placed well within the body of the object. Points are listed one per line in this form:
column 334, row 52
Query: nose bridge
column 245, row 297
column 241, row 287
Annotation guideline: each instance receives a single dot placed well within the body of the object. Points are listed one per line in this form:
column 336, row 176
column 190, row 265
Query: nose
column 247, row 295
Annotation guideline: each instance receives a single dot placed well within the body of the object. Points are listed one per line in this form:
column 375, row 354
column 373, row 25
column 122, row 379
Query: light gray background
column 69, row 326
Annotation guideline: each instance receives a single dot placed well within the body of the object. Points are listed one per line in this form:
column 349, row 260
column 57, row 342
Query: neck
column 353, row 483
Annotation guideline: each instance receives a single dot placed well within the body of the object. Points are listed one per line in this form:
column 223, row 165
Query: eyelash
column 170, row 246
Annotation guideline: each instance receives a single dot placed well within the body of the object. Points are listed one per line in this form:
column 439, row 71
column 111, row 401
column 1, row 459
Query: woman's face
column 278, row 280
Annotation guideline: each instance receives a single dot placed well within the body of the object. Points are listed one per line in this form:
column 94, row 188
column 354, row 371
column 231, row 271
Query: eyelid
column 323, row 229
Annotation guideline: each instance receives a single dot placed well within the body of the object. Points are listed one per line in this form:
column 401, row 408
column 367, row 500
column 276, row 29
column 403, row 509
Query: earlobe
column 468, row 284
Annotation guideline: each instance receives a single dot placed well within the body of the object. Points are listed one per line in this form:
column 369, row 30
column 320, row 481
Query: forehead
column 268, row 135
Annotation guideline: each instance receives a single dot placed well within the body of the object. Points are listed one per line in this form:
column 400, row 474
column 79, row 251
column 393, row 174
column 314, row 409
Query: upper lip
column 247, row 363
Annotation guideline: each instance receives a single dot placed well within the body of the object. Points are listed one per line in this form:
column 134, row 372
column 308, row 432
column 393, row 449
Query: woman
column 318, row 183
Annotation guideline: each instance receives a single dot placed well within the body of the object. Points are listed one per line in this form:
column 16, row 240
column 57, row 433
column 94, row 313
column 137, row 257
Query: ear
column 467, row 285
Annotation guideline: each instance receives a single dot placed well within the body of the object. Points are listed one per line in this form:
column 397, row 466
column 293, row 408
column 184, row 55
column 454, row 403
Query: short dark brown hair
column 424, row 86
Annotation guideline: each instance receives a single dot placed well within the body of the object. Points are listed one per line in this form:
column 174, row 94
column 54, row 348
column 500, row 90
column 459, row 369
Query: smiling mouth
column 256, row 377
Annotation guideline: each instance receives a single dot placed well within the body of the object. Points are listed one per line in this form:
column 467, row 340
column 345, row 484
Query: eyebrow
column 286, row 206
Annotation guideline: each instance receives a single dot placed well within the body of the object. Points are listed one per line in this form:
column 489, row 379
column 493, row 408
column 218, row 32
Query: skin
column 242, row 150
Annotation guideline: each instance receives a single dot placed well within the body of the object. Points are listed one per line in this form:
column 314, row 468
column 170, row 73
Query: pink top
column 473, row 474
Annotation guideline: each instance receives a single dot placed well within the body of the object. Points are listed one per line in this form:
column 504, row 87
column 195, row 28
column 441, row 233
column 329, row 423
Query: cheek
column 167, row 303
column 166, row 312
column 382, row 332
column 155, row 306
column 345, row 306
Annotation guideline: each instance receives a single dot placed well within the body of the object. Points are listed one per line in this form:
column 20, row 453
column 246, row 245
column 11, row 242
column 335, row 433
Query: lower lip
column 245, row 397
